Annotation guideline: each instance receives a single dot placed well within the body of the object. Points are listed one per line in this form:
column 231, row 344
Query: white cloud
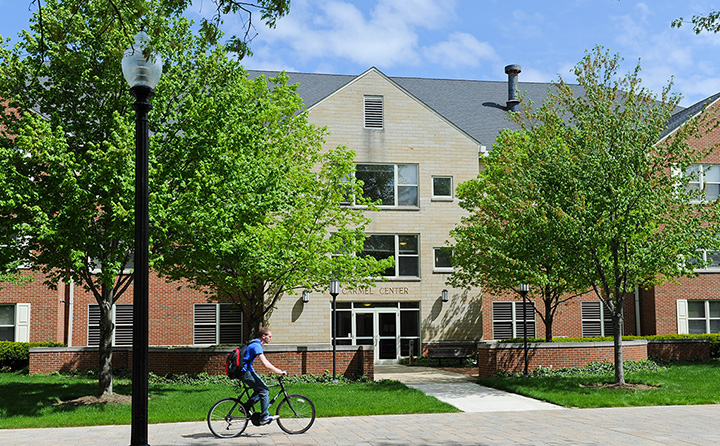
column 387, row 34
column 460, row 50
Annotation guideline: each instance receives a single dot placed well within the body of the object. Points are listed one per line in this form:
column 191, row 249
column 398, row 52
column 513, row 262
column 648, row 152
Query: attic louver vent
column 373, row 112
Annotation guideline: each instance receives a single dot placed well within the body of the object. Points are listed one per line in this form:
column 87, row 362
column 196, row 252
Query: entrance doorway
column 390, row 327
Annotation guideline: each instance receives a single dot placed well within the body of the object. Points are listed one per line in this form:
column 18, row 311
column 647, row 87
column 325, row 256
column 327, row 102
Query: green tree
column 700, row 23
column 124, row 13
column 510, row 236
column 620, row 192
column 245, row 194
column 74, row 142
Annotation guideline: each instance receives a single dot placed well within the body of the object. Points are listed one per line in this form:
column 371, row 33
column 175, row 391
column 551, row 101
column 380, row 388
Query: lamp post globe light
column 142, row 73
column 523, row 290
column 334, row 291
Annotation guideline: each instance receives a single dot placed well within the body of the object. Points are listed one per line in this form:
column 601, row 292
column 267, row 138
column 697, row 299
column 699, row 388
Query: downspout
column 637, row 312
column 72, row 311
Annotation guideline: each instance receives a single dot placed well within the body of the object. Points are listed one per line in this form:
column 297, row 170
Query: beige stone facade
column 411, row 133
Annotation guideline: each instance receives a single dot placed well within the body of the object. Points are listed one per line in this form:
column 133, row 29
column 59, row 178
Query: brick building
column 416, row 139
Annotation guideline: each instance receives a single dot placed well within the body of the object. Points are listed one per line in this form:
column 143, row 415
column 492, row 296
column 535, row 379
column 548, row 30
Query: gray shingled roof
column 476, row 107
column 682, row 116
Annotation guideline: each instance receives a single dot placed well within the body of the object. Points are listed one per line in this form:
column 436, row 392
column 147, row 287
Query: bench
column 441, row 353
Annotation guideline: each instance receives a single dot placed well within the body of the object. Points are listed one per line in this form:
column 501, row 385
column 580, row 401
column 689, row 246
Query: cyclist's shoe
column 269, row 419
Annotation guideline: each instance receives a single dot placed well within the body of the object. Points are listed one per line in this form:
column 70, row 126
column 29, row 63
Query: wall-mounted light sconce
column 445, row 295
column 305, row 296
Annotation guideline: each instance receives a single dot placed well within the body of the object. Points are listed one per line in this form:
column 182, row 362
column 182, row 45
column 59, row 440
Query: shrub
column 593, row 369
column 16, row 355
column 714, row 340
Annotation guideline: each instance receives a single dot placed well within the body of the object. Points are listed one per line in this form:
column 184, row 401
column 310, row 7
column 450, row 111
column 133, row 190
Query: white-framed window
column 404, row 248
column 215, row 323
column 596, row 319
column 373, row 112
column 442, row 259
column 698, row 316
column 712, row 259
column 122, row 317
column 508, row 320
column 392, row 185
column 704, row 180
column 442, row 188
column 15, row 322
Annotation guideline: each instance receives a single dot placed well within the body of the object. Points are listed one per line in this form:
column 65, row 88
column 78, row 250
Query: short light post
column 524, row 288
column 142, row 72
column 334, row 291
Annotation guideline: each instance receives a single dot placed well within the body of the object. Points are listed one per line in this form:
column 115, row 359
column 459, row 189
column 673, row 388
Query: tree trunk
column 105, row 382
column 617, row 345
column 548, row 323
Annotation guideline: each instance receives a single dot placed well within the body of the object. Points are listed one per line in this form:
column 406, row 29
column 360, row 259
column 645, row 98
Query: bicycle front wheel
column 297, row 414
column 227, row 418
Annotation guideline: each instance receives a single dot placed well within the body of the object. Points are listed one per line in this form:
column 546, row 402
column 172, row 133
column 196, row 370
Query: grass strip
column 680, row 383
column 31, row 401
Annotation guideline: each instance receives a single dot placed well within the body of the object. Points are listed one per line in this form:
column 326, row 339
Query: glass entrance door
column 379, row 328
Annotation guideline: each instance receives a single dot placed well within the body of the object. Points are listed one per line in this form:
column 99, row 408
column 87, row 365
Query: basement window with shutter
column 122, row 317
column 595, row 322
column 508, row 320
column 373, row 112
column 217, row 324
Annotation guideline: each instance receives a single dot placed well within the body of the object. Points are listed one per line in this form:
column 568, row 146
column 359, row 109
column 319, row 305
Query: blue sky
column 475, row 39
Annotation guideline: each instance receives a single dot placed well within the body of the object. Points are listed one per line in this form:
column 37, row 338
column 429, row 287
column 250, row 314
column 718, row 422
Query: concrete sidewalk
column 459, row 390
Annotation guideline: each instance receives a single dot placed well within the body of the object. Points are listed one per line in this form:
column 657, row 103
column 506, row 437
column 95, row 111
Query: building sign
column 383, row 291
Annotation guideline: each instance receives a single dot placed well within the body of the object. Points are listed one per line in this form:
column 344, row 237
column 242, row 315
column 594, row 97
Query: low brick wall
column 494, row 357
column 297, row 360
column 679, row 349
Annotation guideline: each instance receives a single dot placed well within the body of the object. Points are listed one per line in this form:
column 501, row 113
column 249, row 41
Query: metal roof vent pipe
column 513, row 103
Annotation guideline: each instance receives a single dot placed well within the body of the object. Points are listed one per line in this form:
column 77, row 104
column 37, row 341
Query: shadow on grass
column 33, row 399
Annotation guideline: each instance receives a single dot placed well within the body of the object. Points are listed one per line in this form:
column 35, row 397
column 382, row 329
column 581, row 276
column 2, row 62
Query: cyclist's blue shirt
column 253, row 349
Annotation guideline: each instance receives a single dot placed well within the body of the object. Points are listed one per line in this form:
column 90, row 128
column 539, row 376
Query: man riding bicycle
column 261, row 392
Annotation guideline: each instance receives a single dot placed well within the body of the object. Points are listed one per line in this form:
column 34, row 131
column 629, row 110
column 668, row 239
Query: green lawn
column 28, row 400
column 677, row 384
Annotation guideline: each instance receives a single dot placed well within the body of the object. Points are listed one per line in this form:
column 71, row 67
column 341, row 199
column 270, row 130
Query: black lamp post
column 334, row 291
column 524, row 288
column 142, row 74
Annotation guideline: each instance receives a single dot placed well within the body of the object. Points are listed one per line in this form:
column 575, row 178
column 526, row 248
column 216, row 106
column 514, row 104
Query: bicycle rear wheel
column 227, row 418
column 297, row 414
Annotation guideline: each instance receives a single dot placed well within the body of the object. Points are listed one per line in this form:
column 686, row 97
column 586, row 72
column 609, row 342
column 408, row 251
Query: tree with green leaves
column 700, row 23
column 251, row 206
column 618, row 190
column 125, row 13
column 74, row 150
column 509, row 236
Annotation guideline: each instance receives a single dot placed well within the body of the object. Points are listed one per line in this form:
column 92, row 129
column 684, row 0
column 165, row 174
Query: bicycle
column 229, row 417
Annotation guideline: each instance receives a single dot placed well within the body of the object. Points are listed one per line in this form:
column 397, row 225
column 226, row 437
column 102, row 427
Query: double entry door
column 378, row 327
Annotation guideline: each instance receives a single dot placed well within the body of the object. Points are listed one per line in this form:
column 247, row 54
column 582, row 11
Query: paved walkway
column 521, row 424
column 459, row 390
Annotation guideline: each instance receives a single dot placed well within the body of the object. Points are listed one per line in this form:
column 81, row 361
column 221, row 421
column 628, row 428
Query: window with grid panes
column 390, row 185
column 596, row 319
column 122, row 317
column 705, row 179
column 215, row 323
column 703, row 316
column 7, row 323
column 508, row 320
column 404, row 248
